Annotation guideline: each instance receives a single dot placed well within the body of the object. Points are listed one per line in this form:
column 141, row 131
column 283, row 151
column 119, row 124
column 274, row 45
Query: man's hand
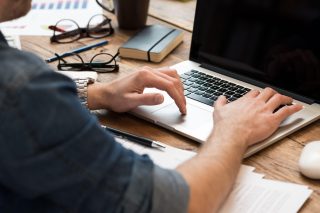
column 249, row 120
column 126, row 93
column 253, row 117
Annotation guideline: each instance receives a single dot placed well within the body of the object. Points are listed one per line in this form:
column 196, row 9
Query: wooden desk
column 278, row 162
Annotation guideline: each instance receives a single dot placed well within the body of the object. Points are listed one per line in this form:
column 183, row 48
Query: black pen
column 134, row 138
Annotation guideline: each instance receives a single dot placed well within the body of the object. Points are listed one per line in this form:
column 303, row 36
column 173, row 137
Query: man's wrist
column 98, row 96
column 225, row 139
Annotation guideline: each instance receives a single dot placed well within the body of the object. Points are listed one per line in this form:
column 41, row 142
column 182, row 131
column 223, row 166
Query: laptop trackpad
column 197, row 121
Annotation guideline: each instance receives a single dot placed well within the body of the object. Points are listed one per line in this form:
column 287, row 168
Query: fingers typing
column 161, row 81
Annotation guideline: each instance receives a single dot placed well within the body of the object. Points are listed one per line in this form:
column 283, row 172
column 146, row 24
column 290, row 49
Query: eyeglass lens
column 66, row 30
column 101, row 63
column 73, row 62
column 99, row 26
column 104, row 62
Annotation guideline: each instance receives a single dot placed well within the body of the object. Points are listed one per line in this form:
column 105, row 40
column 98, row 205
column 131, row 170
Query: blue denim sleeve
column 170, row 192
column 55, row 157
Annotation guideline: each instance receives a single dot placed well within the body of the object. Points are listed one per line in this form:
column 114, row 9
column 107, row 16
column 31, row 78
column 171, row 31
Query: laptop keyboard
column 206, row 88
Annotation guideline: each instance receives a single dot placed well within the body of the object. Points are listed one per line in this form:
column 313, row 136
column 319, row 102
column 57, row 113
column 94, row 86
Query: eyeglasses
column 106, row 5
column 67, row 30
column 101, row 63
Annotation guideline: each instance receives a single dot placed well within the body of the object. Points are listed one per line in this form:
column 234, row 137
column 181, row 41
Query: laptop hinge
column 256, row 82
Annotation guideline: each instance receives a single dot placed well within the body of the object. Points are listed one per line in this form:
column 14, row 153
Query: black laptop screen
column 276, row 42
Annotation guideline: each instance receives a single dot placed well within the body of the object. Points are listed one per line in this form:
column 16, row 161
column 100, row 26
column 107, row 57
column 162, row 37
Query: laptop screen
column 276, row 42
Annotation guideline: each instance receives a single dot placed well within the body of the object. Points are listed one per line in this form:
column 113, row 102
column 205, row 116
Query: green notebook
column 152, row 43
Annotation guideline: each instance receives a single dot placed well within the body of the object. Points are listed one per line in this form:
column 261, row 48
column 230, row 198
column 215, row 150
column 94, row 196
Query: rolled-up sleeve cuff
column 170, row 191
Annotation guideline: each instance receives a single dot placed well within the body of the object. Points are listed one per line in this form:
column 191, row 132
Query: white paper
column 13, row 41
column 168, row 158
column 80, row 74
column 250, row 194
column 49, row 12
column 265, row 196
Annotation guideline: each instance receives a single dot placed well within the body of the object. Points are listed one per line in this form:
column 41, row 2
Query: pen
column 137, row 139
column 79, row 50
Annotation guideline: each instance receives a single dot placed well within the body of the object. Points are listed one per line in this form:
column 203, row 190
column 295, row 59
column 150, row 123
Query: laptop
column 238, row 46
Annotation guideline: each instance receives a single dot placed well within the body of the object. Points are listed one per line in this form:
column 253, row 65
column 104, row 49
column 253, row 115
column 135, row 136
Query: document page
column 168, row 158
column 265, row 196
column 251, row 193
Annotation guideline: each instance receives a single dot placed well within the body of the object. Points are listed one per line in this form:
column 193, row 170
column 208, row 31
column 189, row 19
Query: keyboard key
column 199, row 92
column 192, row 79
column 213, row 98
column 184, row 76
column 217, row 93
column 219, row 83
column 199, row 81
column 214, row 87
column 186, row 93
column 192, row 89
column 233, row 88
column 242, row 91
column 188, row 83
column 227, row 96
column 229, row 93
column 232, row 99
column 200, row 99
column 237, row 95
column 222, row 89
column 210, row 91
column 203, row 88
column 206, row 95
column 196, row 75
column 186, row 87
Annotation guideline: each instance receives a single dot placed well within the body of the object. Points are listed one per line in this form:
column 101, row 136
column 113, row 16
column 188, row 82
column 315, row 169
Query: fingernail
column 184, row 111
column 159, row 99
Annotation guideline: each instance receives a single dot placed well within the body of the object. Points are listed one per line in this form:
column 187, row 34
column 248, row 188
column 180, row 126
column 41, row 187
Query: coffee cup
column 131, row 14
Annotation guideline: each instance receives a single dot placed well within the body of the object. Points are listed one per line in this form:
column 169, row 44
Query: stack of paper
column 48, row 12
column 250, row 194
column 13, row 41
column 80, row 74
column 168, row 158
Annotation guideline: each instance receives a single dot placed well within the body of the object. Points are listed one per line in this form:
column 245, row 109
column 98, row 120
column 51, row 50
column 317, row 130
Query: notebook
column 237, row 47
column 152, row 43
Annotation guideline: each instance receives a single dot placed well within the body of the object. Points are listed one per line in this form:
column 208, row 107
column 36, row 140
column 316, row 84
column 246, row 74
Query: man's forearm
column 212, row 172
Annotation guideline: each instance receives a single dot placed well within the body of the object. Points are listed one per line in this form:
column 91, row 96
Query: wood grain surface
column 278, row 162
column 178, row 13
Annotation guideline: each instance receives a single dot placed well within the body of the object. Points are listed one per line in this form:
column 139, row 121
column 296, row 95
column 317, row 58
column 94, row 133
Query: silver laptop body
column 231, row 64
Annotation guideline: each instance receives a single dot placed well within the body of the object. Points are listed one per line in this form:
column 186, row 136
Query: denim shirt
column 55, row 157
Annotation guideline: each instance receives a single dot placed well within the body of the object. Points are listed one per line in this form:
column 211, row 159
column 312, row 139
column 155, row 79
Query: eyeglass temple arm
column 106, row 21
column 60, row 58
column 67, row 34
column 105, row 8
